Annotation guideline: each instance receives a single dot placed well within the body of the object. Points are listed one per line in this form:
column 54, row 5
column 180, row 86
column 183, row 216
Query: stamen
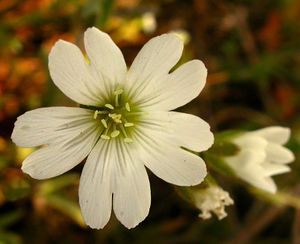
column 127, row 124
column 113, row 119
column 105, row 137
column 116, row 117
column 126, row 139
column 127, row 106
column 96, row 114
column 123, row 130
column 109, row 106
column 103, row 121
column 115, row 133
column 118, row 91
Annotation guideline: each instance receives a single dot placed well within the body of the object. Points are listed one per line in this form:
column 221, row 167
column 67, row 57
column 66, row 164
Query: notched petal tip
column 172, row 35
column 94, row 30
column 14, row 135
column 291, row 157
column 58, row 45
column 285, row 132
column 202, row 175
column 132, row 224
column 210, row 141
column 272, row 188
column 174, row 39
column 95, row 226
column 31, row 171
column 276, row 134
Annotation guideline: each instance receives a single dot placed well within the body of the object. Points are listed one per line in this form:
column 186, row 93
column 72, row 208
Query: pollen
column 128, row 124
column 105, row 137
column 118, row 92
column 95, row 114
column 127, row 106
column 115, row 133
column 109, row 106
column 103, row 121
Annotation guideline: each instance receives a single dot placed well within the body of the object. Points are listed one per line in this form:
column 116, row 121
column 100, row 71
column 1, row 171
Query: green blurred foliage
column 251, row 49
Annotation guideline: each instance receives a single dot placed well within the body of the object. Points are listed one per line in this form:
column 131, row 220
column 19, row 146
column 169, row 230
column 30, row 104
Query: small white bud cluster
column 212, row 200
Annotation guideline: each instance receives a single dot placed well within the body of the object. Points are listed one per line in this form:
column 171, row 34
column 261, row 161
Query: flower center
column 115, row 118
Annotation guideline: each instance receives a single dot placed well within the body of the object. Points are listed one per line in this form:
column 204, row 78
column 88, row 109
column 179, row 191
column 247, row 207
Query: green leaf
column 17, row 189
column 99, row 11
column 106, row 7
column 53, row 185
column 9, row 238
column 224, row 148
column 10, row 218
column 66, row 206
column 218, row 164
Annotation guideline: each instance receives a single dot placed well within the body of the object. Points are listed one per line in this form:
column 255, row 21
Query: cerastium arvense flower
column 123, row 124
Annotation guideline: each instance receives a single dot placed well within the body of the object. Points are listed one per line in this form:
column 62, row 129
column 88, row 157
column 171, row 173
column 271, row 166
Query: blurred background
column 252, row 52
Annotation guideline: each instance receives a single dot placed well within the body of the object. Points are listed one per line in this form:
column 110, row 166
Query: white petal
column 153, row 62
column 279, row 154
column 54, row 160
column 169, row 162
column 248, row 166
column 182, row 129
column 247, row 163
column 106, row 58
column 131, row 199
column 177, row 88
column 95, row 189
column 275, row 169
column 269, row 185
column 71, row 74
column 250, row 141
column 70, row 134
column 50, row 125
column 276, row 134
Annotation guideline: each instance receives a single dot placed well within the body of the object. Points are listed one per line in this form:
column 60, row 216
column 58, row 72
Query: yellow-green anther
column 115, row 133
column 118, row 92
column 109, row 106
column 116, row 118
column 127, row 106
column 103, row 121
column 105, row 137
column 96, row 114
column 127, row 124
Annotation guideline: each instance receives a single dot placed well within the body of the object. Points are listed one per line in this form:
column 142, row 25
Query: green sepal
column 218, row 164
column 224, row 149
column 227, row 135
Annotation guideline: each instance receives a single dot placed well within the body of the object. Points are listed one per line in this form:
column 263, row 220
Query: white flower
column 212, row 199
column 261, row 156
column 123, row 125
